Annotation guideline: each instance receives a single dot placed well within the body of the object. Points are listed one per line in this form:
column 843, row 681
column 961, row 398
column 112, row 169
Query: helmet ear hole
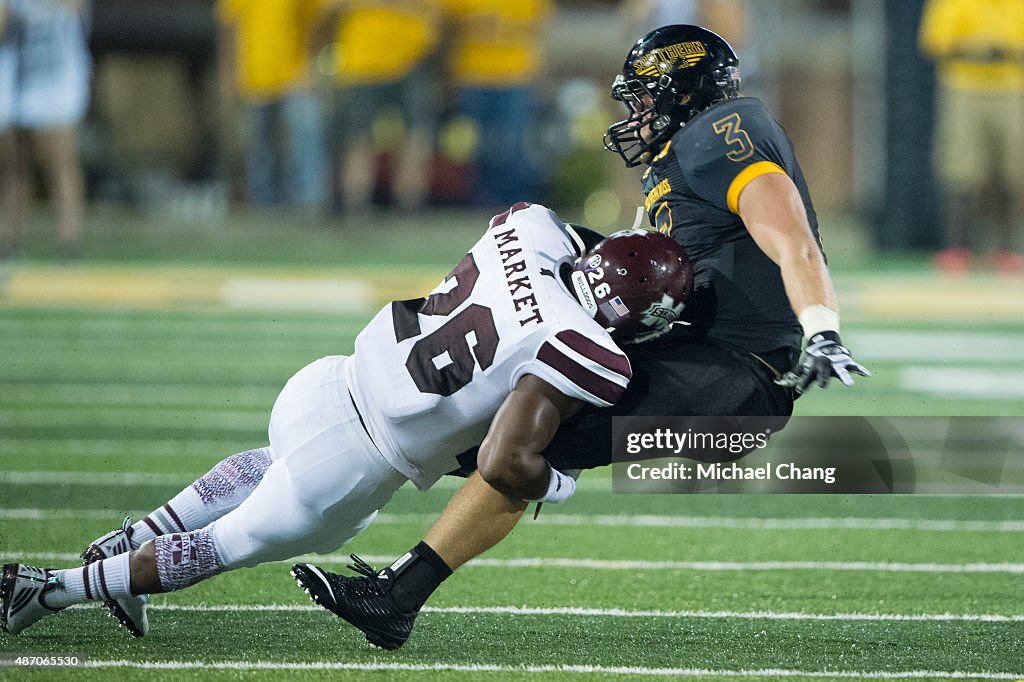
column 646, row 279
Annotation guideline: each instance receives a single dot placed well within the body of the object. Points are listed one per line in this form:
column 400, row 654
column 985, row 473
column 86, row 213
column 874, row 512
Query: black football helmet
column 635, row 283
column 671, row 74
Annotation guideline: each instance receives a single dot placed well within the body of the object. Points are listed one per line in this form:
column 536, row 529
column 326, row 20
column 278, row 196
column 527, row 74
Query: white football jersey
column 428, row 375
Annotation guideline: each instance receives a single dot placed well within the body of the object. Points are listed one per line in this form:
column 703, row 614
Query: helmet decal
column 664, row 60
column 584, row 294
column 665, row 311
column 634, row 283
column 618, row 306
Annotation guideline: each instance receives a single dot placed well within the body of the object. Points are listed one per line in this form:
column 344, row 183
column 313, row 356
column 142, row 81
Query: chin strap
column 640, row 213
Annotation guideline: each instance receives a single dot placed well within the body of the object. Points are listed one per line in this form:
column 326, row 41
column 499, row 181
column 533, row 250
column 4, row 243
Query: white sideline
column 624, row 565
column 623, row 613
column 622, row 520
column 633, row 565
column 577, row 669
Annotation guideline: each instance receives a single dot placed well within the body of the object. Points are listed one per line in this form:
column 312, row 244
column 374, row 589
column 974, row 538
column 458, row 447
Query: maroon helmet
column 634, row 283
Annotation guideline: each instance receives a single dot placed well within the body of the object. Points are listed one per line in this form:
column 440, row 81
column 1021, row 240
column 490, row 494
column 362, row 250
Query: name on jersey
column 657, row 194
column 519, row 287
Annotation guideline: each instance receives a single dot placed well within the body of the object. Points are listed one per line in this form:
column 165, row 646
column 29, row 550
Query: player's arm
column 510, row 458
column 774, row 214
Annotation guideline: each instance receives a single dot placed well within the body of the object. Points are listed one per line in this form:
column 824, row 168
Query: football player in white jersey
column 522, row 333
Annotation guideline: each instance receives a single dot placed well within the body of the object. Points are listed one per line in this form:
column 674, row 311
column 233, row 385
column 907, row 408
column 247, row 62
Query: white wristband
column 560, row 487
column 817, row 318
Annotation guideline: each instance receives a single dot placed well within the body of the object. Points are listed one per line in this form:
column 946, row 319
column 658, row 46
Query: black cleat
column 365, row 602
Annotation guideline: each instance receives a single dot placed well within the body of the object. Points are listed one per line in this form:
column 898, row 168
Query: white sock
column 99, row 581
column 213, row 495
column 183, row 513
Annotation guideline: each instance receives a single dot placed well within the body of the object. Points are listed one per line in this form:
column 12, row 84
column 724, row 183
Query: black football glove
column 824, row 357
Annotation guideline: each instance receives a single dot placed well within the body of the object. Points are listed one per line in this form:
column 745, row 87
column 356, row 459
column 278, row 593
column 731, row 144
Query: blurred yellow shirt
column 271, row 49
column 959, row 33
column 380, row 42
column 498, row 43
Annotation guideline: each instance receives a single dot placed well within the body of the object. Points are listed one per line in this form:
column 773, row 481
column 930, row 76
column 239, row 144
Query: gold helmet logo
column 666, row 59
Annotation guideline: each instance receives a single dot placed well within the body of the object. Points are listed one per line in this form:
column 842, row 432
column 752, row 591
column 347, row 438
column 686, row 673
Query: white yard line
column 948, row 346
column 564, row 669
column 979, row 383
column 636, row 565
column 137, row 449
column 623, row 613
column 624, row 565
column 619, row 520
column 92, row 478
column 84, row 478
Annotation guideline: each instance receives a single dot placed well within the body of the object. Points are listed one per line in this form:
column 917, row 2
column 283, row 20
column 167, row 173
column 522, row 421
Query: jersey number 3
column 443, row 361
column 735, row 136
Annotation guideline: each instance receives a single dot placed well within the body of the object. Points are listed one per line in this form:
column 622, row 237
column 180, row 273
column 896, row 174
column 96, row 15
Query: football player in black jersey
column 721, row 179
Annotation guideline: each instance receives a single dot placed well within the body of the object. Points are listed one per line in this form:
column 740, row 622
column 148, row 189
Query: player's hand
column 824, row 357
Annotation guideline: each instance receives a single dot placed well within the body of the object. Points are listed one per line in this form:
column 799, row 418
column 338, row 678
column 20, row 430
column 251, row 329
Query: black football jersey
column 692, row 190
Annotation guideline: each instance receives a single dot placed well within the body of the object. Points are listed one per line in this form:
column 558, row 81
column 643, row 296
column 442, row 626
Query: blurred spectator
column 496, row 60
column 979, row 142
column 268, row 47
column 384, row 65
column 44, row 93
column 728, row 18
column 643, row 16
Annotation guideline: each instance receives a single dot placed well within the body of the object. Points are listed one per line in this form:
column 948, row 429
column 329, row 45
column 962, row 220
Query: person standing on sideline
column 45, row 72
column 266, row 51
column 496, row 60
column 978, row 47
column 383, row 63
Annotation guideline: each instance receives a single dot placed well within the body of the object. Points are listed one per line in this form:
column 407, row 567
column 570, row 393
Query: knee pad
column 233, row 479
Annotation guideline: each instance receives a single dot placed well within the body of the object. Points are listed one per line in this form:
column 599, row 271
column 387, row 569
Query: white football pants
column 325, row 484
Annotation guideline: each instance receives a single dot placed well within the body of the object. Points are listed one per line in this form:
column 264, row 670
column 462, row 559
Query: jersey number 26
column 467, row 338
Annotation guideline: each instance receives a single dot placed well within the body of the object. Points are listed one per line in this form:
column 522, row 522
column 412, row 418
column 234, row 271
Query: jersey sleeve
column 587, row 368
column 729, row 148
column 537, row 217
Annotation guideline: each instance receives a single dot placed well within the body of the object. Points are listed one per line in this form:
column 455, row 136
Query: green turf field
column 107, row 411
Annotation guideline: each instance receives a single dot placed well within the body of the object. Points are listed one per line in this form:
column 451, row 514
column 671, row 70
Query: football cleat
column 21, row 596
column 131, row 611
column 365, row 602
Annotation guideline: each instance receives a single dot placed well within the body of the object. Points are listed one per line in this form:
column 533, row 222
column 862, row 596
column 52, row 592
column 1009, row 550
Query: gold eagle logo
column 666, row 59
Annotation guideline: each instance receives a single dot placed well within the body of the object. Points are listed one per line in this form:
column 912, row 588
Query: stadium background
column 131, row 370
